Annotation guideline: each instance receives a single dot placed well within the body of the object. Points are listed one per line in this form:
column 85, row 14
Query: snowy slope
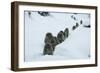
column 75, row 47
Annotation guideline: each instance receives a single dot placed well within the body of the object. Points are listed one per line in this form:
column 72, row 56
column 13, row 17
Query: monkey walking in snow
column 54, row 42
column 57, row 41
column 77, row 24
column 66, row 33
column 81, row 22
column 60, row 36
column 51, row 40
column 74, row 27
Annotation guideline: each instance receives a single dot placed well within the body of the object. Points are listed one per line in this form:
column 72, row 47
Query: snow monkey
column 74, row 27
column 54, row 42
column 51, row 40
column 81, row 22
column 66, row 33
column 60, row 36
column 77, row 24
column 48, row 49
column 57, row 41
column 74, row 18
column 48, row 38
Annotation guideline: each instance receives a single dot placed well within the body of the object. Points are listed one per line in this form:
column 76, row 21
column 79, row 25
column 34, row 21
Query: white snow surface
column 76, row 46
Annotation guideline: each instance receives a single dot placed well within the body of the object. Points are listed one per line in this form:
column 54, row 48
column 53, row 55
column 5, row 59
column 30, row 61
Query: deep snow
column 76, row 46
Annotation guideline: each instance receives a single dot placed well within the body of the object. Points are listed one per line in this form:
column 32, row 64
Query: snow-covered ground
column 76, row 46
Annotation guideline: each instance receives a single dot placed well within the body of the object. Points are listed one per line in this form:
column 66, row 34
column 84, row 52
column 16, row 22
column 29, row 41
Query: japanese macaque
column 81, row 22
column 77, row 24
column 74, row 27
column 66, row 33
column 74, row 18
column 57, row 41
column 60, row 36
column 54, row 42
column 48, row 49
column 51, row 39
